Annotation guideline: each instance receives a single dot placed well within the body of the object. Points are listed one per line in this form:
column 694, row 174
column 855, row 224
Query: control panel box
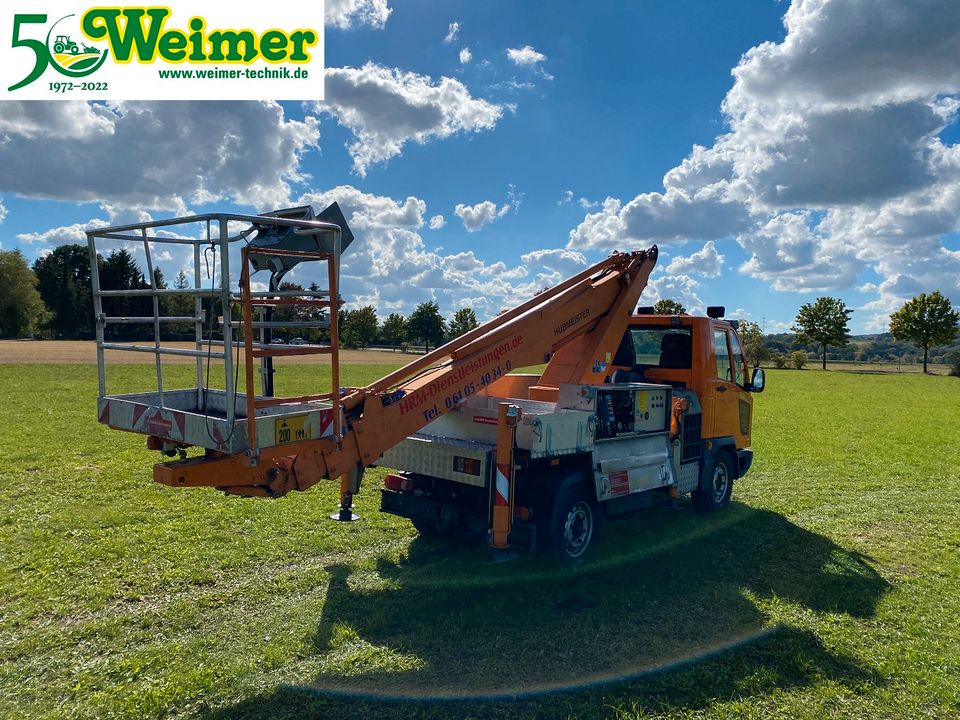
column 622, row 408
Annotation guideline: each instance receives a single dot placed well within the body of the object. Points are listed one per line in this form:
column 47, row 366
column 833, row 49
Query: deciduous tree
column 359, row 327
column 464, row 320
column 927, row 320
column 753, row 344
column 668, row 307
column 394, row 330
column 21, row 309
column 825, row 322
column 426, row 324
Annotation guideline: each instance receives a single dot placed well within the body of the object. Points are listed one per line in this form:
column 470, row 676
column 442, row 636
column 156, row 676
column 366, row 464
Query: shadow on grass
column 669, row 617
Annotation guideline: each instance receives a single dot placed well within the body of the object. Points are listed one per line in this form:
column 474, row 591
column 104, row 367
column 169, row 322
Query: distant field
column 85, row 351
column 875, row 367
column 830, row 588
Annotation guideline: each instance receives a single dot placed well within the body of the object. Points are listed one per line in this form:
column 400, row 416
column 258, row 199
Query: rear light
column 468, row 466
column 398, row 483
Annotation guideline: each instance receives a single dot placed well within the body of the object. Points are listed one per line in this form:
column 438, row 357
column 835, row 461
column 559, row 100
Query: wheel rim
column 721, row 481
column 578, row 529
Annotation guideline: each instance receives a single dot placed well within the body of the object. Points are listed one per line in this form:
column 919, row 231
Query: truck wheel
column 575, row 525
column 715, row 495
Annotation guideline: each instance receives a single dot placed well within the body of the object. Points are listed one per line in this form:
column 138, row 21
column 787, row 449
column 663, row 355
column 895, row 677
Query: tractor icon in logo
column 68, row 58
column 63, row 44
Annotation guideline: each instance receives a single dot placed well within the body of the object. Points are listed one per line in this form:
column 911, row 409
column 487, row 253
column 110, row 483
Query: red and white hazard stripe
column 502, row 496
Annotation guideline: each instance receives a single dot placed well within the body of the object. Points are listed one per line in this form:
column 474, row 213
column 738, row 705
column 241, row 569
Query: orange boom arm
column 574, row 327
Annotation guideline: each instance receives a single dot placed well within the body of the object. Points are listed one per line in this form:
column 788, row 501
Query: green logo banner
column 226, row 51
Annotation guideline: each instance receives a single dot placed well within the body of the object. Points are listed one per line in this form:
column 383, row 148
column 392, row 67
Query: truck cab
column 704, row 355
column 673, row 415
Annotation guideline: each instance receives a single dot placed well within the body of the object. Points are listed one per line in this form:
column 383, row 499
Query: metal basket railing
column 210, row 237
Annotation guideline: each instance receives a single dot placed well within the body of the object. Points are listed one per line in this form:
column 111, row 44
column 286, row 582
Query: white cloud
column 366, row 211
column 465, row 56
column 674, row 216
column 588, row 204
column 167, row 258
column 453, row 31
column 771, row 327
column 790, row 253
column 903, row 51
column 385, row 108
column 681, row 288
column 526, row 56
column 390, row 266
column 3, row 211
column 437, row 222
column 565, row 262
column 61, row 119
column 68, row 235
column 833, row 162
column 476, row 216
column 566, row 198
column 346, row 14
column 706, row 261
column 154, row 154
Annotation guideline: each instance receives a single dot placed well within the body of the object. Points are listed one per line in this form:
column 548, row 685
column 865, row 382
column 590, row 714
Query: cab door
column 733, row 405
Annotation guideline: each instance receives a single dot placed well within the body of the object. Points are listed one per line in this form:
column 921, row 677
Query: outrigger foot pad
column 345, row 513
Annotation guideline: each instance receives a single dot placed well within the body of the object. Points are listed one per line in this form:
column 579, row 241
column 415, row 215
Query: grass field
column 85, row 351
column 830, row 587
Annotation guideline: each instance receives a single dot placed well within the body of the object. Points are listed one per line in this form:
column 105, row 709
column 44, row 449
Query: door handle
column 721, row 388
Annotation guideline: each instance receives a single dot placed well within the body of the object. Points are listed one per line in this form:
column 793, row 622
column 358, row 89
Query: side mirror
column 757, row 381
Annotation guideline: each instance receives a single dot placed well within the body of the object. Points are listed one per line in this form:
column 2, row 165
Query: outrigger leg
column 349, row 486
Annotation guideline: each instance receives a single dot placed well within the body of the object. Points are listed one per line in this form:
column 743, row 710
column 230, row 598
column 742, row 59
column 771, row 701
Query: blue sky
column 774, row 151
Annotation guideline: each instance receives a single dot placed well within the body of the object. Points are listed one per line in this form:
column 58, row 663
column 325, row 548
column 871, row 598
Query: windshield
column 656, row 346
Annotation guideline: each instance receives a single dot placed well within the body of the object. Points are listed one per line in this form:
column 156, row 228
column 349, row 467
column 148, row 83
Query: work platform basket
column 224, row 251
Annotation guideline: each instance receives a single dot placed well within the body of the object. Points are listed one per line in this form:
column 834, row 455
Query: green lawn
column 830, row 587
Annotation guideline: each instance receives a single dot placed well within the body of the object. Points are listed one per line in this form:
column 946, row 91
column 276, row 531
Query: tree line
column 926, row 321
column 424, row 327
column 54, row 299
column 926, row 327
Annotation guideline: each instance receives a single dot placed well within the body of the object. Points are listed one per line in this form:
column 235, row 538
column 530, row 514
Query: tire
column 718, row 488
column 59, row 47
column 575, row 525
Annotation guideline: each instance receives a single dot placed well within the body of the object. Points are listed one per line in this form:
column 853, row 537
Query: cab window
column 738, row 363
column 656, row 346
column 723, row 355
